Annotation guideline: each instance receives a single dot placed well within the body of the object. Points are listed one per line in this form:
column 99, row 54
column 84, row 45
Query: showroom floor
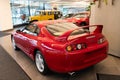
column 111, row 66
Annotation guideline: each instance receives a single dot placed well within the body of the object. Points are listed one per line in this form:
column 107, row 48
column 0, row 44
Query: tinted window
column 50, row 13
column 56, row 12
column 60, row 28
column 37, row 30
column 68, row 15
column 32, row 29
column 40, row 13
column 44, row 13
column 37, row 13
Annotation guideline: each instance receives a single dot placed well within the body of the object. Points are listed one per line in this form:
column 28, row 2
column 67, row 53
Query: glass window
column 54, row 12
column 49, row 13
column 60, row 28
column 40, row 12
column 27, row 7
column 68, row 15
column 37, row 13
column 43, row 13
column 18, row 10
column 37, row 30
column 31, row 29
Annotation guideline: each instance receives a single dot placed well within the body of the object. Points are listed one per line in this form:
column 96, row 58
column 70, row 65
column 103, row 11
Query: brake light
column 76, row 47
column 69, row 48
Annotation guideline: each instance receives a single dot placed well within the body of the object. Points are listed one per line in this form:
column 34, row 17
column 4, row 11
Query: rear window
column 60, row 28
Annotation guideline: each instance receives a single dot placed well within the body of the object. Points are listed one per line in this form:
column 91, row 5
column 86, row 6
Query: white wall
column 5, row 15
column 109, row 16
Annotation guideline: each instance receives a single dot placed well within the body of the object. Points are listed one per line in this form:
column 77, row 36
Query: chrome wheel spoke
column 13, row 42
column 39, row 62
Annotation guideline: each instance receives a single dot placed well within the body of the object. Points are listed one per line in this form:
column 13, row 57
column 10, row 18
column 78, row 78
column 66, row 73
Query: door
column 20, row 39
column 31, row 35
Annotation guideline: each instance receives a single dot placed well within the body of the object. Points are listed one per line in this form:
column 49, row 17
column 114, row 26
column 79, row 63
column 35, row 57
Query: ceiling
column 52, row 2
column 56, row 0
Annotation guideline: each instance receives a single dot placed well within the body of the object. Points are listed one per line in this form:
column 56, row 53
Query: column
column 5, row 15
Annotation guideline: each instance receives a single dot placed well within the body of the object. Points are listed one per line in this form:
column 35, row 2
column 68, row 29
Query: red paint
column 79, row 20
column 54, row 50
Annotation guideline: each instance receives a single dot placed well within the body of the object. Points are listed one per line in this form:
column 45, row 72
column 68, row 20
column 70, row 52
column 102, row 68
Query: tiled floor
column 111, row 65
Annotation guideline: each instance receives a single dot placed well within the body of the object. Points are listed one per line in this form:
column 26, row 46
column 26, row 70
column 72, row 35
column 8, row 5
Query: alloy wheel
column 39, row 62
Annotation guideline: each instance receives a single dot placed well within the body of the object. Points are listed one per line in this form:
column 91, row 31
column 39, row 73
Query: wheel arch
column 45, row 64
column 34, row 52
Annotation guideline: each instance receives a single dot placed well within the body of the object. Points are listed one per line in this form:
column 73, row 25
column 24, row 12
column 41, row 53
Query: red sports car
column 61, row 46
column 81, row 19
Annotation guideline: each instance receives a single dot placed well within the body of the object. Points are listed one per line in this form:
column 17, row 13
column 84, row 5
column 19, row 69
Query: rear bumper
column 80, row 59
column 84, row 61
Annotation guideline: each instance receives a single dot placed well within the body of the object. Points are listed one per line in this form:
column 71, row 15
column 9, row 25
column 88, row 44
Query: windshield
column 68, row 15
column 37, row 12
column 60, row 28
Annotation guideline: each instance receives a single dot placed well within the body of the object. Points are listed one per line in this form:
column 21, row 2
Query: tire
column 40, row 63
column 14, row 44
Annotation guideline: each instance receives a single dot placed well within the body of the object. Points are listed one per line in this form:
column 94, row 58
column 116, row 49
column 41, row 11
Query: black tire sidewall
column 15, row 47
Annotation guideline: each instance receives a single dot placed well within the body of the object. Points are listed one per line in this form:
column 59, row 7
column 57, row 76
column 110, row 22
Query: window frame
column 35, row 33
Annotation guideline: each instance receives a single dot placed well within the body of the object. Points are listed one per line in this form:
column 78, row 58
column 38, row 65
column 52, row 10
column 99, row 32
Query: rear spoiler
column 65, row 36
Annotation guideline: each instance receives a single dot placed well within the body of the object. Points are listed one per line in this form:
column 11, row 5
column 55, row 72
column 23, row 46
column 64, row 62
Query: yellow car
column 45, row 15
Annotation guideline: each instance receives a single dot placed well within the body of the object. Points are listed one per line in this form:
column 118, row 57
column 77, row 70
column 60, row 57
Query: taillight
column 76, row 47
column 69, row 48
column 101, row 40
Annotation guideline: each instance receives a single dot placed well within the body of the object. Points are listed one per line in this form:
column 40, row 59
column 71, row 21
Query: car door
column 31, row 35
column 19, row 39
